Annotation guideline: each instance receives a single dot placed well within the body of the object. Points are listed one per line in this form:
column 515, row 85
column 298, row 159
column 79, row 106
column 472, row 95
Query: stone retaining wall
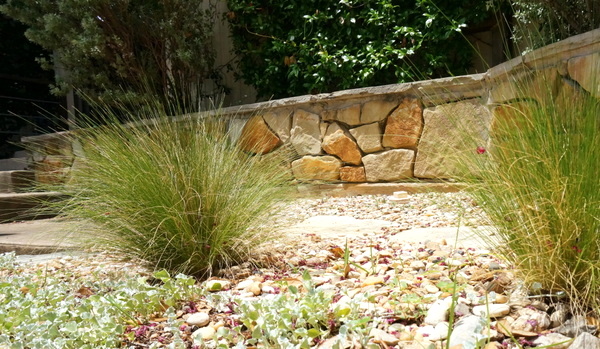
column 389, row 133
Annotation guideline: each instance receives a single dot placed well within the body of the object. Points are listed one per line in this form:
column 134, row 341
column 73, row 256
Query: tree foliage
column 541, row 22
column 122, row 50
column 296, row 47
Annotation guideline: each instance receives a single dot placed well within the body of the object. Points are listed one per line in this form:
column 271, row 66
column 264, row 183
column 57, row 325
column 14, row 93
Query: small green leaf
column 313, row 332
column 162, row 275
column 342, row 312
column 257, row 333
column 253, row 315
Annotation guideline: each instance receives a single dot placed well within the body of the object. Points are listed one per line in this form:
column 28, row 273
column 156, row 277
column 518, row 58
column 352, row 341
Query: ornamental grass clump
column 172, row 191
column 537, row 180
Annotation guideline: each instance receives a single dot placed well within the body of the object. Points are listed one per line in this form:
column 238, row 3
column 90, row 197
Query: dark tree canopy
column 123, row 51
column 26, row 105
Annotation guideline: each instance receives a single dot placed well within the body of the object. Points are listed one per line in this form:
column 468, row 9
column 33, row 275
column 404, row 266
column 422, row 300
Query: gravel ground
column 382, row 261
column 421, row 211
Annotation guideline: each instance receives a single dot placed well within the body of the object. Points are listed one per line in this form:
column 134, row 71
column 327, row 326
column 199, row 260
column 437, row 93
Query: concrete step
column 26, row 206
column 37, row 237
column 16, row 181
column 16, row 163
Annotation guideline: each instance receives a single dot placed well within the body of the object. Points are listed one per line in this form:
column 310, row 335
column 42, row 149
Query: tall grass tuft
column 538, row 181
column 173, row 191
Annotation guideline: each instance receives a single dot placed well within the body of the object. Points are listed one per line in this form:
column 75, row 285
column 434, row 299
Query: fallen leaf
column 337, row 252
column 84, row 291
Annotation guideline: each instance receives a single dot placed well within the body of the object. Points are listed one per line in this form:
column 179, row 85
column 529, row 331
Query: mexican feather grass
column 172, row 191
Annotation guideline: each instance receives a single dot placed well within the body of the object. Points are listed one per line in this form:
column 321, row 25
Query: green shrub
column 175, row 192
column 299, row 47
column 538, row 184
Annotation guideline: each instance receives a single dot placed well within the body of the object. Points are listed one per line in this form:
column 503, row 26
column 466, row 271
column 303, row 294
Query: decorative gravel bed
column 373, row 291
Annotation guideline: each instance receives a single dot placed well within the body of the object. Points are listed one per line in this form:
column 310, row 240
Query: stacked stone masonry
column 396, row 132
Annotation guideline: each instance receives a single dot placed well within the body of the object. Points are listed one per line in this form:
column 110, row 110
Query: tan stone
column 323, row 126
column 328, row 115
column 235, row 127
column 541, row 85
column 56, row 144
column 375, row 111
column 391, row 165
column 372, row 280
column 326, row 168
column 368, row 137
column 349, row 115
column 280, row 122
column 569, row 96
column 353, row 174
column 257, row 138
column 585, row 70
column 508, row 116
column 404, row 125
column 337, row 143
column 305, row 135
column 450, row 132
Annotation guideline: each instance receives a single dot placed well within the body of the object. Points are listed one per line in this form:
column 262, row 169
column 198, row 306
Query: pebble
column 198, row 319
column 575, row 326
column 381, row 336
column 495, row 310
column 372, row 280
column 206, row 333
column 438, row 312
column 434, row 333
column 467, row 332
column 585, row 341
column 554, row 341
column 255, row 288
column 218, row 285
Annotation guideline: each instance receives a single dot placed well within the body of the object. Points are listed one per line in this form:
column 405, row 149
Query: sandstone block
column 234, row 129
column 541, row 85
column 325, row 168
column 450, row 131
column 280, row 122
column 353, row 174
column 16, row 181
column 391, row 165
column 375, row 111
column 368, row 137
column 305, row 135
column 585, row 70
column 404, row 125
column 349, row 115
column 257, row 138
column 508, row 116
column 57, row 144
column 337, row 142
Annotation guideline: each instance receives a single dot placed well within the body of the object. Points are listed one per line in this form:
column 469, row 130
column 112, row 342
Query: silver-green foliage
column 45, row 310
column 297, row 319
column 175, row 192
